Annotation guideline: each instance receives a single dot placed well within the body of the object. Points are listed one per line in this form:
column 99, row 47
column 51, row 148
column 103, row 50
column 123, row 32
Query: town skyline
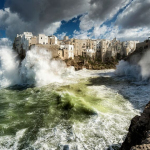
column 69, row 48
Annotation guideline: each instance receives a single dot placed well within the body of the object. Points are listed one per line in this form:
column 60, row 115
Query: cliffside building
column 69, row 48
column 42, row 39
column 143, row 45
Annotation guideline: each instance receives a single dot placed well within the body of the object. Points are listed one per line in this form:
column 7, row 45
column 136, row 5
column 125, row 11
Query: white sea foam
column 97, row 132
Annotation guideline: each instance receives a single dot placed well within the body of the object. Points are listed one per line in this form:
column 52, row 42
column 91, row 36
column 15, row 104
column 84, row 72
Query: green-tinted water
column 58, row 117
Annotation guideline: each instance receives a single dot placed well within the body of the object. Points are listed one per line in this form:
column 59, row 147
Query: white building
column 70, row 49
column 22, row 41
column 90, row 52
column 62, row 46
column 42, row 39
column 53, row 40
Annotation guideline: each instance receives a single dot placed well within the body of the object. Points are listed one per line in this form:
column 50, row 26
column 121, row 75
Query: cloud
column 39, row 16
column 47, row 11
column 98, row 32
column 45, row 16
column 105, row 32
column 11, row 23
column 140, row 34
column 61, row 36
column 86, row 23
column 110, row 32
column 135, row 15
column 14, row 25
column 81, row 34
column 101, row 11
column 52, row 28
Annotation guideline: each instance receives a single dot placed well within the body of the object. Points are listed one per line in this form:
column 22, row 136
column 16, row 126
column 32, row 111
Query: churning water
column 46, row 106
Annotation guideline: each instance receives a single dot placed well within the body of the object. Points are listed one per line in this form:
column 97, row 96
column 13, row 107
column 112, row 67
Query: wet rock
column 138, row 137
column 66, row 147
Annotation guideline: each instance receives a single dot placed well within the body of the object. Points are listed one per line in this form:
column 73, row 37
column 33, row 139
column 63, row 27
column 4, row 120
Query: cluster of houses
column 69, row 48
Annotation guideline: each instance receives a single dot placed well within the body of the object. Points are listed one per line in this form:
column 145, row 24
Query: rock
column 141, row 147
column 138, row 137
column 66, row 147
column 82, row 62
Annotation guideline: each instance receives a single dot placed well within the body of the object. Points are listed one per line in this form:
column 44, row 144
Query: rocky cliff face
column 138, row 137
column 81, row 62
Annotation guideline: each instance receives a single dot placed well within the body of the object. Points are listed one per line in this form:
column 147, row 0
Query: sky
column 96, row 19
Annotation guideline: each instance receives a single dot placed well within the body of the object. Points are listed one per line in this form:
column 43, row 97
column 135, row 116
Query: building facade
column 69, row 48
column 42, row 39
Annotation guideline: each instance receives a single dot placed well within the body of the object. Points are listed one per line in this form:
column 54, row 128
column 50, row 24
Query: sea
column 45, row 105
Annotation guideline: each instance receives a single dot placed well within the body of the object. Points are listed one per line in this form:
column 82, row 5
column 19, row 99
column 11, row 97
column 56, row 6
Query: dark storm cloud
column 45, row 12
column 38, row 15
column 102, row 9
column 45, row 16
column 136, row 15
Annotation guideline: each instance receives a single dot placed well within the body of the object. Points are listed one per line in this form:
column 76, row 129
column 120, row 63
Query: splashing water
column 38, row 68
column 139, row 71
column 145, row 66
column 9, row 72
column 126, row 69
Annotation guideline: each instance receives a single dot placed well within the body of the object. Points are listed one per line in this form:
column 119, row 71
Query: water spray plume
column 38, row 68
column 139, row 70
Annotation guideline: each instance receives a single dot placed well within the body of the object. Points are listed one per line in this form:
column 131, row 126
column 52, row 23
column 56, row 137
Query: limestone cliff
column 138, row 137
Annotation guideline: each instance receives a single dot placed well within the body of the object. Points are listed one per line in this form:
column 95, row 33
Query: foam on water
column 6, row 142
column 98, row 132
column 106, row 129
column 59, row 119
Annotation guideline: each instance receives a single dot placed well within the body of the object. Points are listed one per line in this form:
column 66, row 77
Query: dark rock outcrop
column 138, row 137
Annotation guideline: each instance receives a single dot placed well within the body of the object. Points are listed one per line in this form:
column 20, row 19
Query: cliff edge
column 138, row 137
